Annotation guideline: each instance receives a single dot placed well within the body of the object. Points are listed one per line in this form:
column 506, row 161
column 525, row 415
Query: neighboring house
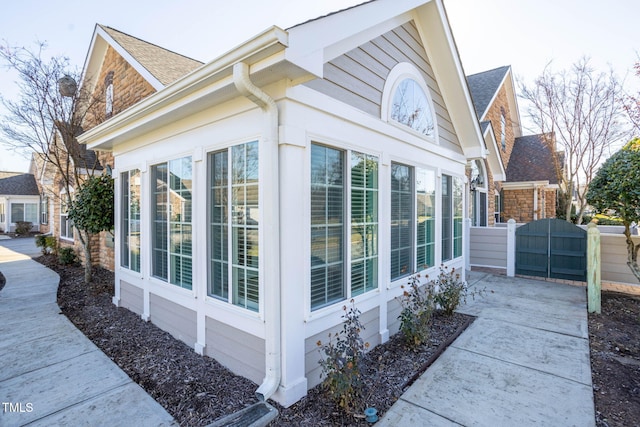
column 259, row 194
column 19, row 201
column 120, row 71
column 518, row 179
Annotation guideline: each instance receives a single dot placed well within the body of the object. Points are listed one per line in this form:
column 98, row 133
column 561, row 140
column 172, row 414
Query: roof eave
column 163, row 103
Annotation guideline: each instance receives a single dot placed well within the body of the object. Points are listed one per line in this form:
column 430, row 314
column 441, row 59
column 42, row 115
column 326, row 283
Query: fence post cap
column 511, row 221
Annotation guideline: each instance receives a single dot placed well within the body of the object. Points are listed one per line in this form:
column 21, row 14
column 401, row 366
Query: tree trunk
column 85, row 239
column 632, row 252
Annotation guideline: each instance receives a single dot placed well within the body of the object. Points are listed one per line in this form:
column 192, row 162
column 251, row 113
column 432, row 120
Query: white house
column 19, row 201
column 260, row 193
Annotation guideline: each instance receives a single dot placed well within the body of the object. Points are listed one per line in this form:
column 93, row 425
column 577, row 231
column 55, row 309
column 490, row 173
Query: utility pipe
column 271, row 233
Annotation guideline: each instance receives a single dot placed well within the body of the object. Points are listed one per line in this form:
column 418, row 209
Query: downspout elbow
column 273, row 372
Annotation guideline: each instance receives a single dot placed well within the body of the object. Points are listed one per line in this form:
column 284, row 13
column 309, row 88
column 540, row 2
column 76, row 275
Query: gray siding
column 488, row 246
column 357, row 78
column 239, row 351
column 393, row 311
column 371, row 334
column 173, row 318
column 613, row 254
column 131, row 297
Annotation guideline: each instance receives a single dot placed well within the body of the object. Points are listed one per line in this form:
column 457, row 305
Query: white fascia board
column 493, row 157
column 130, row 59
column 437, row 38
column 190, row 88
column 526, row 185
column 93, row 61
column 315, row 42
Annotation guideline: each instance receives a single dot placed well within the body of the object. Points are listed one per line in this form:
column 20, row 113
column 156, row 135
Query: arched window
column 406, row 100
column 412, row 108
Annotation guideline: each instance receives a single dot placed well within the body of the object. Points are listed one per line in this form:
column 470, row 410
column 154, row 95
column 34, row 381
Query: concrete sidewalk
column 50, row 373
column 524, row 361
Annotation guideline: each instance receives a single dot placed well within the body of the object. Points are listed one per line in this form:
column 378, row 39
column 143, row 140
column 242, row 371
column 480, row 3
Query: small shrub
column 47, row 243
column 417, row 309
column 51, row 243
column 67, row 256
column 450, row 290
column 23, row 227
column 341, row 360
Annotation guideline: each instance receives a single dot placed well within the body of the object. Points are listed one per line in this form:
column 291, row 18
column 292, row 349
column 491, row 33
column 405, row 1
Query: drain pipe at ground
column 271, row 234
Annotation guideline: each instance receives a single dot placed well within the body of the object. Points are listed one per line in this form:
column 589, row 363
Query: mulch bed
column 614, row 338
column 196, row 390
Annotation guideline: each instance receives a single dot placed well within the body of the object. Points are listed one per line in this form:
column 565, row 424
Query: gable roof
column 158, row 66
column 484, row 86
column 18, row 184
column 299, row 54
column 163, row 64
column 531, row 160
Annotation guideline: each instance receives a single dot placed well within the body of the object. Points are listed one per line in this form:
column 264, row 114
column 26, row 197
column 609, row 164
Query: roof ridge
column 149, row 43
column 489, row 71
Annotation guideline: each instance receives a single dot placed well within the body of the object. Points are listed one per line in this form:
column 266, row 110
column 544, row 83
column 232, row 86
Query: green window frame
column 130, row 220
column 234, row 206
column 172, row 235
column 332, row 231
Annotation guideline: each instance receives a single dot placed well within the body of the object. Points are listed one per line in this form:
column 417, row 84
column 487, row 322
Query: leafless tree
column 580, row 112
column 632, row 105
column 46, row 118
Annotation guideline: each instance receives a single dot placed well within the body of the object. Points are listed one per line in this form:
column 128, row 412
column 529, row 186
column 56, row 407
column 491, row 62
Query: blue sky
column 526, row 34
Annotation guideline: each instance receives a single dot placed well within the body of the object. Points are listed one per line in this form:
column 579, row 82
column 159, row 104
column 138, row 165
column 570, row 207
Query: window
column 497, row 208
column 401, row 220
column 24, row 212
column 478, row 195
column 364, row 223
column 451, row 217
column 234, row 205
column 171, row 222
column 329, row 224
column 44, row 210
column 412, row 230
column 130, row 220
column 2, row 212
column 66, row 225
column 108, row 94
column 411, row 107
column 503, row 129
column 426, row 218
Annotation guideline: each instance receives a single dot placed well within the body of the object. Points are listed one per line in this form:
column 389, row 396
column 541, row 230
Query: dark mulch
column 196, row 390
column 614, row 339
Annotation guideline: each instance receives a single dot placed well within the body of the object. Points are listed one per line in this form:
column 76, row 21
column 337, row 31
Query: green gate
column 552, row 248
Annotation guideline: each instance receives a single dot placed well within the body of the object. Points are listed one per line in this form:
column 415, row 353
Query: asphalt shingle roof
column 531, row 160
column 18, row 184
column 483, row 87
column 163, row 64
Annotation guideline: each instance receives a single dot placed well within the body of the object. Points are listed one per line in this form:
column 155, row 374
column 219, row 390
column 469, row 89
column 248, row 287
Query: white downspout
column 271, row 231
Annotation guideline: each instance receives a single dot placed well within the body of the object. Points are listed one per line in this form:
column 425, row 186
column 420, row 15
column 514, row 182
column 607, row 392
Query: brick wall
column 518, row 204
column 129, row 88
column 494, row 114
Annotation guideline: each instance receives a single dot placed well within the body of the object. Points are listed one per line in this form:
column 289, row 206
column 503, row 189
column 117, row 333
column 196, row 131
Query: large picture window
column 171, row 222
column 452, row 189
column 234, row 205
column 130, row 220
column 24, row 212
column 329, row 223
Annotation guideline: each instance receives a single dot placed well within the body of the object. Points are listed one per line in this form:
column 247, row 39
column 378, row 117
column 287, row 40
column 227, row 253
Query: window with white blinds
column 343, row 180
column 234, row 206
column 171, row 222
